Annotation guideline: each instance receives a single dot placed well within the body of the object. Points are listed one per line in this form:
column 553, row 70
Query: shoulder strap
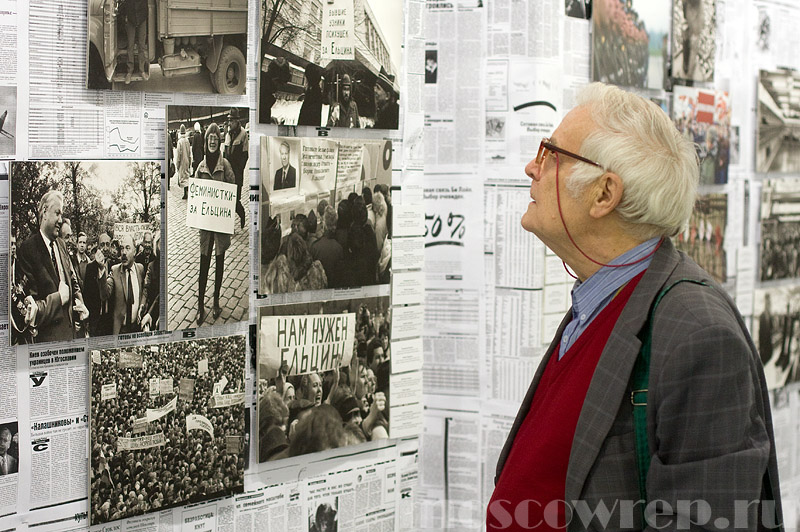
column 639, row 384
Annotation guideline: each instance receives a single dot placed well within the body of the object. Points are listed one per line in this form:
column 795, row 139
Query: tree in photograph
column 139, row 197
column 285, row 22
column 29, row 182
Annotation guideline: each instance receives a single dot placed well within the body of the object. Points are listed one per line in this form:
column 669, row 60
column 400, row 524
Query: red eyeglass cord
column 564, row 223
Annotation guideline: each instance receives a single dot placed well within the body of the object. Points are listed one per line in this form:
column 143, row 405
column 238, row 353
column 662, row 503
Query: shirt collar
column 47, row 241
column 589, row 294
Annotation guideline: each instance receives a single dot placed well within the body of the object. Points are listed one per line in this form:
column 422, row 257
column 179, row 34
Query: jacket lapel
column 526, row 403
column 609, row 384
column 45, row 252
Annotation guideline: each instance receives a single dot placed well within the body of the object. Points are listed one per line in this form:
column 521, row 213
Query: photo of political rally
column 167, row 426
column 85, row 255
column 324, row 372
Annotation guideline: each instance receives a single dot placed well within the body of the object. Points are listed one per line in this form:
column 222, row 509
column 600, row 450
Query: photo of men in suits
column 286, row 175
column 123, row 288
column 54, row 300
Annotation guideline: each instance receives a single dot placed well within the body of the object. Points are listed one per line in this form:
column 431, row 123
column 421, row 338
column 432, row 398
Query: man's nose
column 532, row 170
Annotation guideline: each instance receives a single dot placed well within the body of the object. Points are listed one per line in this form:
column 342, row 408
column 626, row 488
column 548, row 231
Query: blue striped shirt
column 591, row 296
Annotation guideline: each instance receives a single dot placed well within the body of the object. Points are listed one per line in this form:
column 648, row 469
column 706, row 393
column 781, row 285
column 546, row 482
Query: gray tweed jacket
column 709, row 422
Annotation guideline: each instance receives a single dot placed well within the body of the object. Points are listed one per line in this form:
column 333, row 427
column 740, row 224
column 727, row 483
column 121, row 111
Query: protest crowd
column 346, row 246
column 189, row 465
column 301, row 414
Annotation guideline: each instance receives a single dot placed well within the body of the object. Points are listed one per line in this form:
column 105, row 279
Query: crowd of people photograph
column 330, row 247
column 84, row 251
column 301, row 414
column 182, row 464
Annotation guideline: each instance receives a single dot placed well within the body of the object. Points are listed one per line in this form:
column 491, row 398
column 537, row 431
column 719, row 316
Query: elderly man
column 595, row 433
column 344, row 113
column 123, row 288
column 100, row 320
column 286, row 175
column 146, row 256
column 54, row 299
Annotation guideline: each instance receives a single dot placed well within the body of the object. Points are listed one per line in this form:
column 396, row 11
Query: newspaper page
column 450, row 461
column 9, row 427
column 408, row 483
column 454, row 42
column 54, row 429
column 8, row 79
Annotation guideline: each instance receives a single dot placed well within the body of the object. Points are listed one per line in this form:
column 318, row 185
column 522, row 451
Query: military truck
column 183, row 37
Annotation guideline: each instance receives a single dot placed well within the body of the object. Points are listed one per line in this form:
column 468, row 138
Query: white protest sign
column 136, row 230
column 140, row 442
column 186, row 389
column 108, row 391
column 220, row 385
column 221, row 401
column 130, row 360
column 212, row 205
column 165, row 387
column 307, row 344
column 196, row 421
column 155, row 386
column 202, row 367
column 338, row 37
column 153, row 414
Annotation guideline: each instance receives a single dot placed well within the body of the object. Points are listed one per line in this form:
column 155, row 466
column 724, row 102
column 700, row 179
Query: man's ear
column 606, row 195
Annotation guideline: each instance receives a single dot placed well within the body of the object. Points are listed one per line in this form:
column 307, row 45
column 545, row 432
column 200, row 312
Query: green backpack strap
column 639, row 384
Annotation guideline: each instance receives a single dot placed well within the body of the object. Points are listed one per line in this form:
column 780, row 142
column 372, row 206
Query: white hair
column 659, row 168
column 48, row 199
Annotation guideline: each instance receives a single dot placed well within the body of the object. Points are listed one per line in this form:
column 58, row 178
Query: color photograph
column 704, row 117
column 694, row 34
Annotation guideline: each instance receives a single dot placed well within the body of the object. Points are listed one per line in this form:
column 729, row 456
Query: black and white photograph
column 85, row 254
column 431, row 66
column 778, row 132
column 776, row 332
column 694, row 34
column 8, row 121
column 578, row 8
column 175, row 46
column 167, row 426
column 323, row 373
column 630, row 42
column 325, row 214
column 704, row 237
column 780, row 229
column 330, row 63
column 208, row 215
column 322, row 516
column 9, row 449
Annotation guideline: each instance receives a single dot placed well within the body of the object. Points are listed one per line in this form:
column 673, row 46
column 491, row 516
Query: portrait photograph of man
column 286, row 174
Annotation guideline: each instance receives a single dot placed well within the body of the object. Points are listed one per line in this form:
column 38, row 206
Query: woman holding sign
column 210, row 240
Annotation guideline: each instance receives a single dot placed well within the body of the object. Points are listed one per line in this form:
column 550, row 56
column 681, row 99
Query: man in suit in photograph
column 286, row 175
column 100, row 320
column 54, row 301
column 652, row 389
column 124, row 288
column 8, row 464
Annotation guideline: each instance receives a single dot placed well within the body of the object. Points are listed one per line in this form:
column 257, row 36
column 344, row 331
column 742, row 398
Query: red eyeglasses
column 545, row 147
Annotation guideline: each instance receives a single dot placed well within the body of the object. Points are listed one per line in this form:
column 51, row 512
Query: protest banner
column 338, row 37
column 221, row 401
column 155, row 386
column 202, row 367
column 233, row 444
column 108, row 391
column 96, row 357
column 349, row 162
column 212, row 205
column 198, row 422
column 165, row 386
column 128, row 359
column 139, row 425
column 186, row 389
column 307, row 344
column 136, row 230
column 153, row 414
column 219, row 386
column 141, row 442
column 318, row 166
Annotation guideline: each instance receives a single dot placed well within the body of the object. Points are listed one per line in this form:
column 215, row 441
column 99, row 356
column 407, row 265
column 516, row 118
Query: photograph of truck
column 168, row 45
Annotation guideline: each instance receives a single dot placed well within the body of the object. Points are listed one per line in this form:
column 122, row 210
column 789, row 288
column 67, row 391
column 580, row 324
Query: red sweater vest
column 533, row 481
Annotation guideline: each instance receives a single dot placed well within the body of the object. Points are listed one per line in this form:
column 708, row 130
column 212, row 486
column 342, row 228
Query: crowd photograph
column 84, row 249
column 703, row 238
column 334, row 232
column 301, row 410
column 704, row 117
column 167, row 426
column 780, row 229
column 207, row 144
column 304, row 81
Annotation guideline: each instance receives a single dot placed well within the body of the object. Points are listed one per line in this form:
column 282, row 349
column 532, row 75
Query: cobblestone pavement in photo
column 183, row 269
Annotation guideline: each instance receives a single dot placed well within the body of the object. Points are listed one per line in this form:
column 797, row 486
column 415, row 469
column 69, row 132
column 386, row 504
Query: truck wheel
column 97, row 74
column 231, row 74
